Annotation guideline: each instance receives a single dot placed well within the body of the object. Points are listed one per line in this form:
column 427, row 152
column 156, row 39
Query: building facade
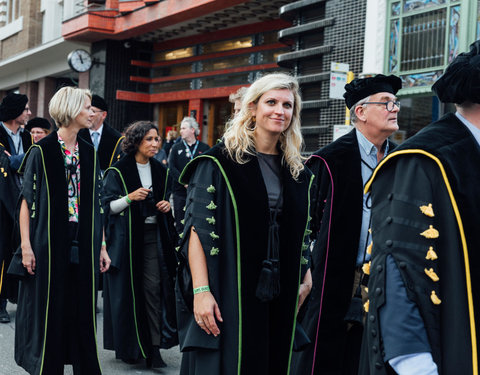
column 164, row 60
column 33, row 53
column 419, row 39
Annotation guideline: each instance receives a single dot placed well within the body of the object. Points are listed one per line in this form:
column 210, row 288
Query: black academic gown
column 110, row 146
column 9, row 191
column 125, row 323
column 8, row 197
column 337, row 205
column 40, row 310
column 438, row 166
column 227, row 204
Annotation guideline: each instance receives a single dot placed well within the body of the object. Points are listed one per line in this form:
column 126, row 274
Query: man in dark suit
column 106, row 140
column 14, row 142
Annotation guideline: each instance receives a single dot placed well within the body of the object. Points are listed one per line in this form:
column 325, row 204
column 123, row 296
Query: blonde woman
column 244, row 261
column 61, row 245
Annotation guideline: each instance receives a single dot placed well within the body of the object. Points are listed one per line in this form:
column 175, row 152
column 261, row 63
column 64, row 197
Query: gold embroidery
column 435, row 299
column 366, row 268
column 369, row 248
column 431, row 274
column 366, row 305
column 427, row 210
column 431, row 255
column 431, row 232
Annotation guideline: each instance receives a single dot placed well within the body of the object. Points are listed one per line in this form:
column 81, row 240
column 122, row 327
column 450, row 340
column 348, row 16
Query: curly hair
column 134, row 135
column 239, row 137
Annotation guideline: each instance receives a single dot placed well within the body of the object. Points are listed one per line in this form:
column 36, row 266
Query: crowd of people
column 358, row 260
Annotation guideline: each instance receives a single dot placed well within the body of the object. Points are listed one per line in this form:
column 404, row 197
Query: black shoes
column 4, row 317
column 156, row 360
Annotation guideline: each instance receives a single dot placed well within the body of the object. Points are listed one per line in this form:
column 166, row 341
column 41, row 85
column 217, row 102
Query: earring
column 254, row 119
column 254, row 123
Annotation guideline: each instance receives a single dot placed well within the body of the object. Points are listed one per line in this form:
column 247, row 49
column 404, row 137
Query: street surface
column 110, row 365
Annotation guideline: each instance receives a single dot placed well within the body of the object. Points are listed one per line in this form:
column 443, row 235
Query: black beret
column 461, row 80
column 99, row 102
column 361, row 88
column 12, row 106
column 38, row 122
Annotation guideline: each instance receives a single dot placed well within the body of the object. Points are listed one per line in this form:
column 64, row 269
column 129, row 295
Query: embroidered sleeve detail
column 177, row 248
column 214, row 236
column 366, row 305
column 431, row 254
column 184, row 208
column 366, row 268
column 427, row 210
column 211, row 206
column 304, row 247
column 211, row 189
column 431, row 274
column 182, row 221
column 180, row 235
column 303, row 260
column 308, row 232
column 431, row 232
column 214, row 251
column 369, row 248
column 210, row 220
column 434, row 298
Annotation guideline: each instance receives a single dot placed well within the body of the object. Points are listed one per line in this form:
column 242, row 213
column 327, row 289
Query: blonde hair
column 239, row 137
column 66, row 104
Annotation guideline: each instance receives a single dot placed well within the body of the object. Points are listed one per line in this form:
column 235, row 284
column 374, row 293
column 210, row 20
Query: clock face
column 80, row 60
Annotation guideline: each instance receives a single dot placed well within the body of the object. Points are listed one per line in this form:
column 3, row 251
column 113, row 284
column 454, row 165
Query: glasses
column 390, row 105
column 99, row 111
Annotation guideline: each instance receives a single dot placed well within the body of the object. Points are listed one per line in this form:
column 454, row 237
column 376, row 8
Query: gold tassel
column 431, row 255
column 431, row 274
column 366, row 305
column 427, row 210
column 366, row 268
column 369, row 248
column 431, row 232
column 435, row 299
column 2, row 170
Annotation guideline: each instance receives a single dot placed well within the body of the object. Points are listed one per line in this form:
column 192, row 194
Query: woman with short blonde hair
column 64, row 250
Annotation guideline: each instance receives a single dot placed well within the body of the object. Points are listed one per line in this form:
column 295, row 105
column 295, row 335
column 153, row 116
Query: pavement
column 110, row 365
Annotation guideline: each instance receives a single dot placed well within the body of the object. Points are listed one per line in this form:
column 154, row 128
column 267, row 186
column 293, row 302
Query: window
column 423, row 38
column 9, row 11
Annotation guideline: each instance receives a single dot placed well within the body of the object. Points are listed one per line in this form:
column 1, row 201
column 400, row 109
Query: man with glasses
column 333, row 317
column 424, row 285
column 106, row 140
column 14, row 142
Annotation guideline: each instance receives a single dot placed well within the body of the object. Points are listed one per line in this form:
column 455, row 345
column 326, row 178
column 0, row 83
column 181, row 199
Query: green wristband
column 104, row 243
column 129, row 201
column 201, row 289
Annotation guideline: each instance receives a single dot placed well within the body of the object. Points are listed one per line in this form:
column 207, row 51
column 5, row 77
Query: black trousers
column 152, row 282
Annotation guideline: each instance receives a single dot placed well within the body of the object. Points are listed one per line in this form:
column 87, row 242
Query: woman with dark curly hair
column 139, row 312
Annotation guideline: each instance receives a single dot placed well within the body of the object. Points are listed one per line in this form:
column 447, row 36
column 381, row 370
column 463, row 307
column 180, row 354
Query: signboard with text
column 338, row 79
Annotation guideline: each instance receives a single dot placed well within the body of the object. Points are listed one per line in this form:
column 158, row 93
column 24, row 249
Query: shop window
column 228, row 45
column 174, row 70
column 180, row 53
column 171, row 86
column 227, row 63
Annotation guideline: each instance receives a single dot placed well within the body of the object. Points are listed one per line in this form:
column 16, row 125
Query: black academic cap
column 99, row 102
column 12, row 106
column 361, row 88
column 461, row 80
column 38, row 122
